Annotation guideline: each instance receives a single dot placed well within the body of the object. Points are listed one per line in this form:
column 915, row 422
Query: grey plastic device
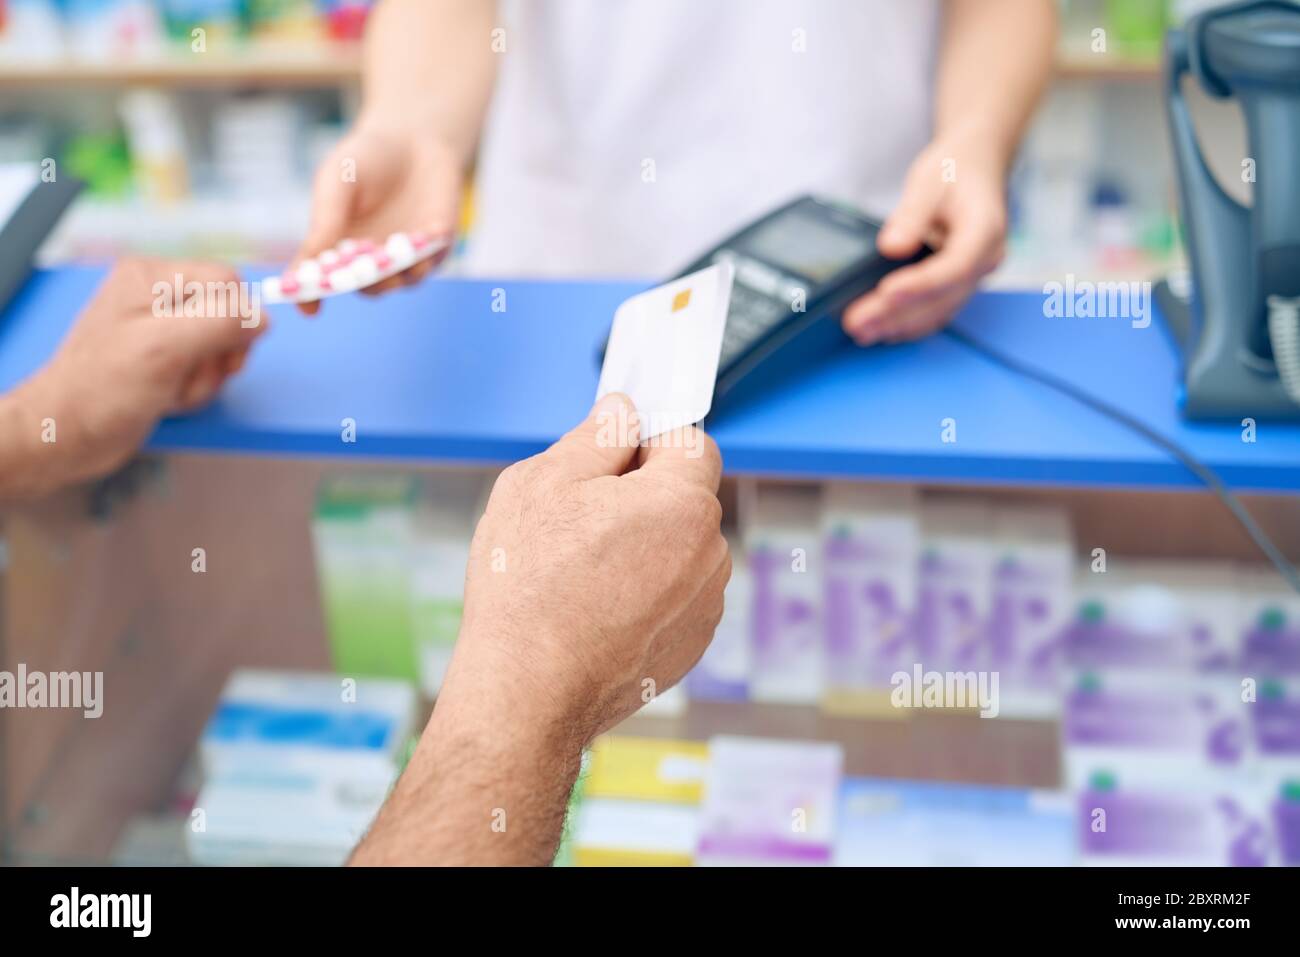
column 28, row 226
column 1240, row 331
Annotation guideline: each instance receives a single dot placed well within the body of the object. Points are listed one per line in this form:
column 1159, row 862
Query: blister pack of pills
column 351, row 265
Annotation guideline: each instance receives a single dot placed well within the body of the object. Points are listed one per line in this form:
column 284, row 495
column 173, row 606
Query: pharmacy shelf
column 436, row 374
column 254, row 64
column 321, row 66
column 1084, row 65
column 268, row 224
column 921, row 746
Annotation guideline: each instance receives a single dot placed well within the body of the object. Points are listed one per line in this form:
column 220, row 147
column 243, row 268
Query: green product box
column 391, row 553
column 363, row 531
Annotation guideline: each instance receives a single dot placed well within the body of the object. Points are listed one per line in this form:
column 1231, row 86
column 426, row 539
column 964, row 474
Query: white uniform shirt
column 627, row 136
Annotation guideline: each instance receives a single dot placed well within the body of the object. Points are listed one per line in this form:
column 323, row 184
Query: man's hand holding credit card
column 664, row 346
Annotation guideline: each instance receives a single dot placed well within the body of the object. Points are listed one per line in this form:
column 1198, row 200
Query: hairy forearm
column 996, row 58
column 430, row 67
column 28, row 457
column 488, row 784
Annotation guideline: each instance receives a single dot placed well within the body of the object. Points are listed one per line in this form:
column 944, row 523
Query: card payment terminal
column 796, row 269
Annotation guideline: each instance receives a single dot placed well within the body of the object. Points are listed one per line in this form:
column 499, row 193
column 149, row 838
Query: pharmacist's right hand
column 595, row 578
column 378, row 181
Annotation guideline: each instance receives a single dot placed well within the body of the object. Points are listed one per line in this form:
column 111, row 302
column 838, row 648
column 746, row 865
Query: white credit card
column 664, row 346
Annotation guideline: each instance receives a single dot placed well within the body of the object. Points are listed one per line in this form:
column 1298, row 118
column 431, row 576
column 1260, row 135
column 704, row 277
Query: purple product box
column 1275, row 722
column 870, row 546
column 1155, row 616
column 1270, row 625
column 1271, row 646
column 787, row 628
column 783, row 538
column 1215, row 827
column 723, row 673
column 1286, row 822
column 1202, row 721
column 1025, row 631
column 956, row 584
column 868, row 619
column 1033, row 589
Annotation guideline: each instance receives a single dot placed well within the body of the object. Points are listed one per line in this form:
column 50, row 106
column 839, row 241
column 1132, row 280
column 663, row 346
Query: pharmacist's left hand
column 954, row 199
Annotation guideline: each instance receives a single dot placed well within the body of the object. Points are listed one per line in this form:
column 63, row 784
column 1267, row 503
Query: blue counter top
column 434, row 374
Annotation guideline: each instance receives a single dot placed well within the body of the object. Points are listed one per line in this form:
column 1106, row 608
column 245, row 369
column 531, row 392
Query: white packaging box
column 616, row 832
column 892, row 823
column 296, row 766
column 275, row 817
column 667, row 704
column 769, row 802
column 308, row 725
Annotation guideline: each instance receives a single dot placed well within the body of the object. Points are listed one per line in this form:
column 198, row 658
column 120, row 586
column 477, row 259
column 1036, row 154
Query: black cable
column 1193, row 465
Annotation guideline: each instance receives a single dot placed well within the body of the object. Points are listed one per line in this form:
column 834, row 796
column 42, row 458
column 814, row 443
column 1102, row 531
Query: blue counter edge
column 964, row 470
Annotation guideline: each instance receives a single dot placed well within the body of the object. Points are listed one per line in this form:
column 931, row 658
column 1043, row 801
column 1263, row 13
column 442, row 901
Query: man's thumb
column 604, row 443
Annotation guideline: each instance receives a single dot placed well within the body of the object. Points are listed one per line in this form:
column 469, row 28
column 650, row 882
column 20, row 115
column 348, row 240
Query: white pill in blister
column 345, row 279
column 400, row 247
column 366, row 271
column 309, row 272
